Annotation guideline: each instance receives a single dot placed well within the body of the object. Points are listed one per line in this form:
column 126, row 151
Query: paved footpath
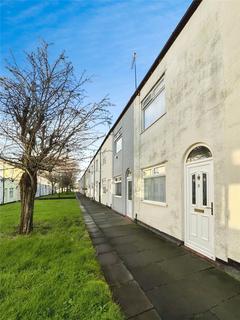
column 153, row 279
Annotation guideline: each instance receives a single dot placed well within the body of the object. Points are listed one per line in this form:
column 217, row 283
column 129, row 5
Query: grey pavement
column 154, row 279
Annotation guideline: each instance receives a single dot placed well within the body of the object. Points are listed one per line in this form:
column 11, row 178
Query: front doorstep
column 200, row 251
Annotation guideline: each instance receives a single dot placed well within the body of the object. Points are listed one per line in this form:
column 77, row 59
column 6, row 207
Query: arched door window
column 199, row 153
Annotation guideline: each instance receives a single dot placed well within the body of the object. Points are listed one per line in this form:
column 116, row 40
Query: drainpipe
column 100, row 176
column 94, row 179
column 3, row 185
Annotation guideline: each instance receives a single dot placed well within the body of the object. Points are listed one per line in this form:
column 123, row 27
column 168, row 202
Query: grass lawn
column 52, row 273
column 60, row 195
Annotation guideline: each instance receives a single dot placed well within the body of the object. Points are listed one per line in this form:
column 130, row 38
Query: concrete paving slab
column 113, row 233
column 184, row 265
column 125, row 248
column 96, row 234
column 168, row 250
column 228, row 310
column 100, row 240
column 156, row 276
column 193, row 295
column 131, row 298
column 216, row 283
column 114, row 223
column 90, row 224
column 103, row 248
column 148, row 315
column 93, row 228
column 117, row 274
column 169, row 271
column 140, row 259
column 171, row 302
column 125, row 239
column 204, row 316
column 108, row 258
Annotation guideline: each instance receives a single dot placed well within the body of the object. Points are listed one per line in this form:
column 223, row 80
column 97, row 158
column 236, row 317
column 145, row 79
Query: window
column 118, row 186
column 153, row 105
column 204, row 191
column 118, row 144
column 155, row 184
column 199, row 153
column 104, row 185
column 129, row 189
column 194, row 189
column 11, row 193
column 104, row 157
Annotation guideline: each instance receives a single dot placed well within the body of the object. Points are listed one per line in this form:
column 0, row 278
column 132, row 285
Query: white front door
column 109, row 192
column 129, row 197
column 199, row 233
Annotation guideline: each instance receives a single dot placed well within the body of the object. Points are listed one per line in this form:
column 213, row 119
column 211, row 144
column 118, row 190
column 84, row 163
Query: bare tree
column 43, row 118
column 54, row 179
column 68, row 174
column 67, row 180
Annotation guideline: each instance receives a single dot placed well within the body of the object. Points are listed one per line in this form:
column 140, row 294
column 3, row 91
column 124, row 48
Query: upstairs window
column 118, row 144
column 155, row 184
column 11, row 193
column 104, row 185
column 153, row 105
column 104, row 161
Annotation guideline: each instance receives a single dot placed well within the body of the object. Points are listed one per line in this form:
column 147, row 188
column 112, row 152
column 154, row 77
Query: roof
column 188, row 14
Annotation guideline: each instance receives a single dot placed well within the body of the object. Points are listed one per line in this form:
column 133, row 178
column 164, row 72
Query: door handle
column 211, row 208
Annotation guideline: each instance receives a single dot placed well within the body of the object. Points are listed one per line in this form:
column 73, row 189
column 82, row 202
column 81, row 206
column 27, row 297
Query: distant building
column 9, row 184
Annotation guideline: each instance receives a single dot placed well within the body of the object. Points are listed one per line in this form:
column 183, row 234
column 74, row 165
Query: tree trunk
column 53, row 188
column 28, row 188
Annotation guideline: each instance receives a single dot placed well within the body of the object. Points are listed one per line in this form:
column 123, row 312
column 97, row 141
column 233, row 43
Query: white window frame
column 104, row 185
column 11, row 193
column 104, row 157
column 157, row 89
column 117, row 150
column 150, row 172
column 104, row 161
column 117, row 180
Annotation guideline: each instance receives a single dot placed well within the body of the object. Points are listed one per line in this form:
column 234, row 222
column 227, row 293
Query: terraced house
column 176, row 148
column 9, row 184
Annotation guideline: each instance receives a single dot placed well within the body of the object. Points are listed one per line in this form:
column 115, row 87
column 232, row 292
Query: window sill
column 160, row 204
column 117, row 196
